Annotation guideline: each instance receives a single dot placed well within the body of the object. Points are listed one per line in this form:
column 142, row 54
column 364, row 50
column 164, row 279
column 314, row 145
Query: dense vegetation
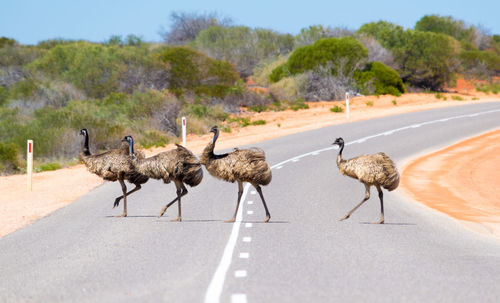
column 125, row 86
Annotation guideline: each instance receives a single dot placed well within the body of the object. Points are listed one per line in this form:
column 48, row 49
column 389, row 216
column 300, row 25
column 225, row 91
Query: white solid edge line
column 215, row 288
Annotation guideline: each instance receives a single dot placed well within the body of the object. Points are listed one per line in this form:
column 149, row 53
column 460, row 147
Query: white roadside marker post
column 184, row 131
column 347, row 104
column 29, row 157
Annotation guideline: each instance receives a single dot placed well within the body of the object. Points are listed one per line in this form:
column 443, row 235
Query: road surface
column 82, row 253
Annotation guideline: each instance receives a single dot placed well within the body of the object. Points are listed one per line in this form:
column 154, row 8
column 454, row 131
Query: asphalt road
column 82, row 253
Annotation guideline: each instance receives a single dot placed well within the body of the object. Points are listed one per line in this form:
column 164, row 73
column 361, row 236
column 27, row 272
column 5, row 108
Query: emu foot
column 179, row 219
column 163, row 211
column 345, row 217
column 230, row 221
column 122, row 215
column 117, row 202
column 268, row 217
column 381, row 221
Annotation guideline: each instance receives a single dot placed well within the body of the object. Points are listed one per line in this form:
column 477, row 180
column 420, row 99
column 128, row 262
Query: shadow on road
column 386, row 223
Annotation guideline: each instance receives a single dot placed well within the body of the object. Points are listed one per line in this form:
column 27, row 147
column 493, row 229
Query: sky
column 32, row 21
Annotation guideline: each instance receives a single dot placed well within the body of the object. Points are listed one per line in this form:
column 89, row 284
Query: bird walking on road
column 372, row 170
column 241, row 165
column 178, row 165
column 113, row 165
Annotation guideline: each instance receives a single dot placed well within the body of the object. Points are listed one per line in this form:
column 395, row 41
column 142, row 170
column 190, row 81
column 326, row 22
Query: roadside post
column 184, row 131
column 347, row 104
column 29, row 157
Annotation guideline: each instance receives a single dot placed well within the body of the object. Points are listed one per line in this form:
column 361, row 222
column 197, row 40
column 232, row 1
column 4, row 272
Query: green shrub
column 337, row 109
column 369, row 103
column 380, row 79
column 457, row 98
column 258, row 122
column 341, row 55
column 48, row 167
column 9, row 157
column 394, row 102
column 480, row 64
column 4, row 93
column 192, row 71
column 299, row 104
column 258, row 108
column 493, row 87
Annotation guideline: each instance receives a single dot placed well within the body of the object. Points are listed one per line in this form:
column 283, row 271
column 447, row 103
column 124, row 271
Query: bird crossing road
column 83, row 253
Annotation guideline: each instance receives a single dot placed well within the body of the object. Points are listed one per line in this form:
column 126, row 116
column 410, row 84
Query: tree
column 193, row 71
column 427, row 59
column 343, row 56
column 313, row 33
column 449, row 26
column 243, row 46
column 389, row 35
column 185, row 27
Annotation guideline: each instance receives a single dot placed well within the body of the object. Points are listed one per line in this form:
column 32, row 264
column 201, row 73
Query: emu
column 241, row 165
column 112, row 165
column 372, row 170
column 178, row 165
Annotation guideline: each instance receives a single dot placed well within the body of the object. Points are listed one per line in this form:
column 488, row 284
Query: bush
column 343, row 56
column 337, row 109
column 193, row 71
column 446, row 25
column 480, row 64
column 48, row 167
column 380, row 79
column 9, row 157
column 428, row 60
column 242, row 46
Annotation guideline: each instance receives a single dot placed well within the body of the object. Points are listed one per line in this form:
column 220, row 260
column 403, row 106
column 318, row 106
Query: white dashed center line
column 215, row 288
column 240, row 273
column 238, row 298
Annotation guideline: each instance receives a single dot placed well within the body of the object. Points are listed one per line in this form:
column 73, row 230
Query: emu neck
column 86, row 149
column 131, row 148
column 208, row 152
column 339, row 156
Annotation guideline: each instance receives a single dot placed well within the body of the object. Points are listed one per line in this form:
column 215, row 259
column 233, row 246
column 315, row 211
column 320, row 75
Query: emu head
column 339, row 141
column 130, row 141
column 215, row 130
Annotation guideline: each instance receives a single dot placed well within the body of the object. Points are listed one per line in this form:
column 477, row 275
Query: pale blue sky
column 31, row 21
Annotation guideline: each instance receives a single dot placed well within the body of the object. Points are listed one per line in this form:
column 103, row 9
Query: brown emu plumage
column 113, row 165
column 372, row 170
column 241, row 165
column 178, row 165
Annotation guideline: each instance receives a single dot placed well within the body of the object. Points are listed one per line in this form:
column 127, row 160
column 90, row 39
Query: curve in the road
column 215, row 288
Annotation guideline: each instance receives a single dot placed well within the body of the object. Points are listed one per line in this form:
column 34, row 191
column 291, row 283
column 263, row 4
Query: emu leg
column 381, row 197
column 124, row 190
column 181, row 191
column 240, row 193
column 367, row 196
column 268, row 215
column 117, row 200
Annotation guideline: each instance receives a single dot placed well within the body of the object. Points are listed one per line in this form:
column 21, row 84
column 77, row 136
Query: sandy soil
column 53, row 190
column 461, row 180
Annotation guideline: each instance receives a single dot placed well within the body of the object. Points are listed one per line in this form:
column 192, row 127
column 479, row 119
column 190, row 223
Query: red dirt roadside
column 462, row 180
